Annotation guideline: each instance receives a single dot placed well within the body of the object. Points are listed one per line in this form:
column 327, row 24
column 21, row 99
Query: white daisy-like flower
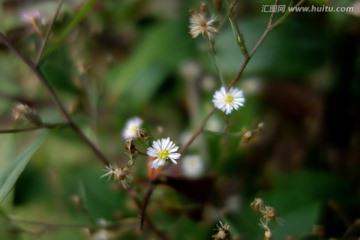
column 228, row 100
column 199, row 24
column 131, row 127
column 162, row 150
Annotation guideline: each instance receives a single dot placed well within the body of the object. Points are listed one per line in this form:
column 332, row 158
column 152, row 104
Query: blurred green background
column 111, row 60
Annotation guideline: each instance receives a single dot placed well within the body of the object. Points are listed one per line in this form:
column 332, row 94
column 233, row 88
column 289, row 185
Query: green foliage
column 108, row 60
column 136, row 81
column 13, row 170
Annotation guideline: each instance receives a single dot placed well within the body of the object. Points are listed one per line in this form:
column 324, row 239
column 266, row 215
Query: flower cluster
column 267, row 214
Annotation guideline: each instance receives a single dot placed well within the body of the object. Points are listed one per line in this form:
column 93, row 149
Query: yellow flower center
column 229, row 99
column 133, row 129
column 163, row 154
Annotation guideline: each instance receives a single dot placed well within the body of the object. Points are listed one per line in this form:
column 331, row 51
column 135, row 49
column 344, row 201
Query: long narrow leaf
column 12, row 172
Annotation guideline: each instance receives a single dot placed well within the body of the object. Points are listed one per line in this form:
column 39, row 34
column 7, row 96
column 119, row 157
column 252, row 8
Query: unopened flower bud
column 76, row 200
column 267, row 235
column 247, row 136
column 261, row 126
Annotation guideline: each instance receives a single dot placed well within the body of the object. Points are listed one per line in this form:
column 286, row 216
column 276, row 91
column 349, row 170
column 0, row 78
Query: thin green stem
column 46, row 38
column 48, row 126
column 282, row 19
column 256, row 47
column 239, row 36
column 36, row 70
column 198, row 131
column 214, row 58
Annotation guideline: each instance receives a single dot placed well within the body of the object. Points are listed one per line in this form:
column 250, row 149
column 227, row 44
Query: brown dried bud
column 203, row 8
column 217, row 4
column 141, row 133
column 258, row 205
column 269, row 213
column 24, row 111
column 247, row 136
column 131, row 148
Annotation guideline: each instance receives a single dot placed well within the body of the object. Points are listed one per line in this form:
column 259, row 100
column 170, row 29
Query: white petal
column 174, row 155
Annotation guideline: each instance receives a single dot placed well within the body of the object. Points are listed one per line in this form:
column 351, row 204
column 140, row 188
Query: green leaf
column 12, row 172
column 154, row 58
column 57, row 67
column 298, row 222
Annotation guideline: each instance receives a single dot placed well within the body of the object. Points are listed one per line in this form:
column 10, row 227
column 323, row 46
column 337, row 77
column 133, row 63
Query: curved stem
column 48, row 126
column 54, row 97
column 149, row 192
column 197, row 132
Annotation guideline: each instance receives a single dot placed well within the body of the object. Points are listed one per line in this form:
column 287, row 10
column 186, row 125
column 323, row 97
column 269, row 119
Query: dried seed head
column 200, row 24
column 258, row 204
column 29, row 114
column 120, row 174
column 223, row 232
column 269, row 213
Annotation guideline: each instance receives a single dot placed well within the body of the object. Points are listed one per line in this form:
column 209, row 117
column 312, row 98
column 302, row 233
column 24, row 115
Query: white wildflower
column 131, row 127
column 228, row 100
column 162, row 150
